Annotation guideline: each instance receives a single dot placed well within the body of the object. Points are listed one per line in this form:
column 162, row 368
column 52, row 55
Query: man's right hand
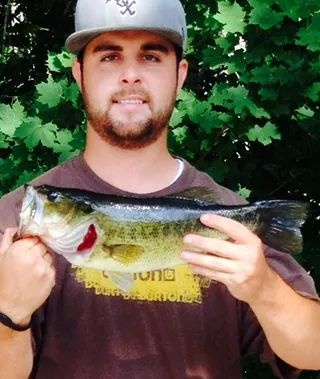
column 27, row 276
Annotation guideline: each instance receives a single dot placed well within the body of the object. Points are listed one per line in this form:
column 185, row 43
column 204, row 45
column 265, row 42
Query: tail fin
column 280, row 223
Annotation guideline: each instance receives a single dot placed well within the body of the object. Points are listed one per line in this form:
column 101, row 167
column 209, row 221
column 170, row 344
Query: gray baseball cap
column 93, row 17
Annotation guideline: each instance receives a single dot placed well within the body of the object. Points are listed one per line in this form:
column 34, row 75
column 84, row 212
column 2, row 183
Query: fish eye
column 52, row 196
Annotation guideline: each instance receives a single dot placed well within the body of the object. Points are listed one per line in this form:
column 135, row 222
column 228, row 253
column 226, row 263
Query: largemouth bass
column 127, row 235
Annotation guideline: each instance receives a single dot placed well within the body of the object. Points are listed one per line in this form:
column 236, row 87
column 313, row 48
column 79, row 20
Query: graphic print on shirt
column 171, row 285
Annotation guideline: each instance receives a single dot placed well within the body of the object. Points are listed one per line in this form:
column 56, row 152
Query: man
column 129, row 71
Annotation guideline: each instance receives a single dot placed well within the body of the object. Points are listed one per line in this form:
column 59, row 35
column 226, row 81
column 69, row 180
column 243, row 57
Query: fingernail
column 205, row 218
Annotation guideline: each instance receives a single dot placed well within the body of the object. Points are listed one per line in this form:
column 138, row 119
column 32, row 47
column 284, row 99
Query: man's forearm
column 16, row 357
column 291, row 323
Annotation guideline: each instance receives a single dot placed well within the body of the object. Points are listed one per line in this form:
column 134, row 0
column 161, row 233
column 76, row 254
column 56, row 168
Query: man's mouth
column 130, row 102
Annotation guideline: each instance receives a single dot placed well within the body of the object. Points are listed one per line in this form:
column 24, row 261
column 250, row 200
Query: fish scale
column 163, row 254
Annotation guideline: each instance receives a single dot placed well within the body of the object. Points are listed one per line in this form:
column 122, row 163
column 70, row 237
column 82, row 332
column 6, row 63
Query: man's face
column 129, row 83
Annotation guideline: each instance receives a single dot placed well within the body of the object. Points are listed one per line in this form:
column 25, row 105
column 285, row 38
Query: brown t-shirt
column 172, row 325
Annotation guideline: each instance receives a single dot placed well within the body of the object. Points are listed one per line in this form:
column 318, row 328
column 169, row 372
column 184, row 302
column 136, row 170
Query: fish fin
column 122, row 280
column 126, row 254
column 200, row 194
column 280, row 223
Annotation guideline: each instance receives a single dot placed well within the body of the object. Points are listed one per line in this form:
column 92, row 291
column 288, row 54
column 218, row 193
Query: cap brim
column 77, row 41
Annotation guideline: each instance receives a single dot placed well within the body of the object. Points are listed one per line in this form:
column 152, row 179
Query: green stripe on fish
column 127, row 235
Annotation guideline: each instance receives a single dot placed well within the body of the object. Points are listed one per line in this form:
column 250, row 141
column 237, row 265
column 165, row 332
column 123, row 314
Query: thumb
column 7, row 239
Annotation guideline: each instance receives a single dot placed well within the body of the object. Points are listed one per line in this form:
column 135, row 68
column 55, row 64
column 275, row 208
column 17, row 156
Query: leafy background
column 249, row 113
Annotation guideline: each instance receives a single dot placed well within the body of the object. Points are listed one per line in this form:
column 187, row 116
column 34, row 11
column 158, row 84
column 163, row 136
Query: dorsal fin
column 203, row 195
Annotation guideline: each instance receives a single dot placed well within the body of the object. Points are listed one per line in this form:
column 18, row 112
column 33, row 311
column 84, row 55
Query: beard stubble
column 116, row 133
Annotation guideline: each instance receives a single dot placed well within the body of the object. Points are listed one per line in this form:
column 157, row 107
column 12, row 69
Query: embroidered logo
column 125, row 5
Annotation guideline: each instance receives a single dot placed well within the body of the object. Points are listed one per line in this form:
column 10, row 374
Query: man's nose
column 131, row 74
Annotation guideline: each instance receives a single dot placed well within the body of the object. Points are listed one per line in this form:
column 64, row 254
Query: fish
column 122, row 235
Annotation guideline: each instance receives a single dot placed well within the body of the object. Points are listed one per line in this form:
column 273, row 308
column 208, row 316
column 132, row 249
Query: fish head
column 63, row 224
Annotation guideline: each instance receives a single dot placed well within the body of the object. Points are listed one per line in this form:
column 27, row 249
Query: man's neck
column 145, row 170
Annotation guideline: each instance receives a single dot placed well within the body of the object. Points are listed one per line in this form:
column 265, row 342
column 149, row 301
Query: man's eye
column 150, row 58
column 110, row 58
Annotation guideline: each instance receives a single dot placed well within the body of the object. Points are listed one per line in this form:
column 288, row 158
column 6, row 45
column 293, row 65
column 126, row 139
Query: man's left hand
column 238, row 262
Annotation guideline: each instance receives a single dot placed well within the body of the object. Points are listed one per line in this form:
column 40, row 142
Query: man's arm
column 291, row 322
column 26, row 280
column 16, row 358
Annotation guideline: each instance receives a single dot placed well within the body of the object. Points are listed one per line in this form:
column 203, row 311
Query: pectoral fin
column 126, row 254
column 122, row 280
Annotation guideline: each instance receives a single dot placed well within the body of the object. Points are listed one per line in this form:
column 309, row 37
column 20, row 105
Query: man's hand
column 239, row 262
column 27, row 276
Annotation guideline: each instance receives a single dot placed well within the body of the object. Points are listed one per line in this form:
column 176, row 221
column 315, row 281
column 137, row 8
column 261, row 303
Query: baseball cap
column 93, row 17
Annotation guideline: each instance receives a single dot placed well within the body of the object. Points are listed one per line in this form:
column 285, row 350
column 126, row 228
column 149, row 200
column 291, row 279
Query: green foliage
column 264, row 135
column 231, row 15
column 249, row 114
column 42, row 130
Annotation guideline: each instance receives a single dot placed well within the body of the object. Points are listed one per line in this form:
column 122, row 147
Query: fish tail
column 280, row 223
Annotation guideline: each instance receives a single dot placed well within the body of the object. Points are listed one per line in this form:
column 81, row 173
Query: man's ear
column 77, row 72
column 182, row 74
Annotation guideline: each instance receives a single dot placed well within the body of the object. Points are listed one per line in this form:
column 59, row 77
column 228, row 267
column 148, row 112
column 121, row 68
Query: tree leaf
column 59, row 62
column 180, row 133
column 231, row 16
column 243, row 192
column 47, row 134
column 26, row 177
column 309, row 36
column 314, row 92
column 305, row 112
column 177, row 117
column 297, row 9
column 268, row 94
column 262, row 75
column 11, row 117
column 264, row 135
column 62, row 143
column 3, row 143
column 6, row 168
column 70, row 92
column 264, row 16
column 238, row 98
column 68, row 154
column 33, row 132
column 49, row 93
column 257, row 112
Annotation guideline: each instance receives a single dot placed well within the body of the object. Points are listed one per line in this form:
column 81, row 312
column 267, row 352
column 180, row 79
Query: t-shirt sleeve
column 292, row 273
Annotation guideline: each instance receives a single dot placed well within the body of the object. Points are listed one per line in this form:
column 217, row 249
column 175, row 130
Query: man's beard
column 117, row 133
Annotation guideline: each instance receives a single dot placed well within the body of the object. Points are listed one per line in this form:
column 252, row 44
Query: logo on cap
column 126, row 5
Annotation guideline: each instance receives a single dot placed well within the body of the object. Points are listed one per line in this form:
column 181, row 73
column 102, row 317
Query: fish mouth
column 32, row 211
column 58, row 234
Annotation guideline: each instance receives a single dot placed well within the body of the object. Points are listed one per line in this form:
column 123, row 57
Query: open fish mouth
column 32, row 212
column 57, row 232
